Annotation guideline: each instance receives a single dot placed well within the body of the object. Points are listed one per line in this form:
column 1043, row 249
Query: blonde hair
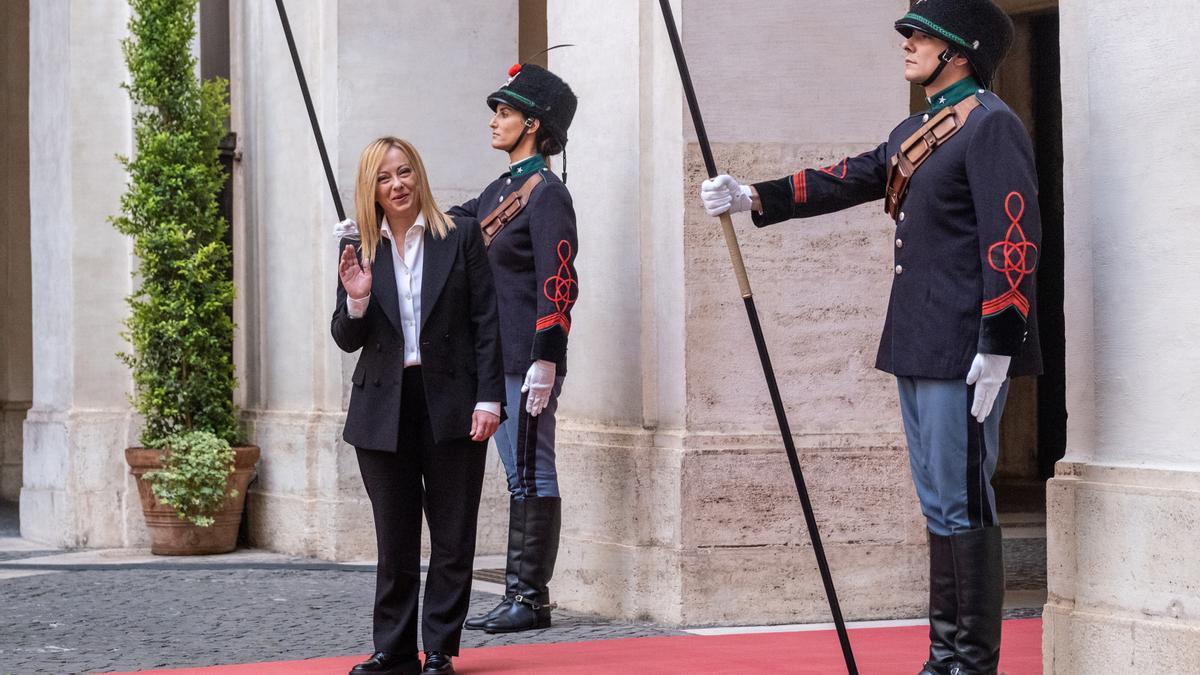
column 369, row 213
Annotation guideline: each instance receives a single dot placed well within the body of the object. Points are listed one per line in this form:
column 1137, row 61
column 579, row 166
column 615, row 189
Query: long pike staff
column 739, row 268
column 312, row 114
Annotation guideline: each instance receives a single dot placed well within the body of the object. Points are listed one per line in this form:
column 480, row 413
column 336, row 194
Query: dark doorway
column 1052, row 397
column 531, row 38
column 1033, row 430
column 16, row 283
column 215, row 62
column 1034, row 427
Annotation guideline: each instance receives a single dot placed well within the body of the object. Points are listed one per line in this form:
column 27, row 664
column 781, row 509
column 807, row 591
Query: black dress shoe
column 382, row 663
column 437, row 662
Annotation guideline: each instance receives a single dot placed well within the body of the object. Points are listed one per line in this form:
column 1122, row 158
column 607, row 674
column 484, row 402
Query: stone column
column 1123, row 510
column 678, row 502
column 421, row 73
column 16, row 344
column 76, row 489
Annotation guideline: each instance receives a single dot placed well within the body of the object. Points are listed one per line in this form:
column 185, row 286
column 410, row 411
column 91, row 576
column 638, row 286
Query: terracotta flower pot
column 169, row 535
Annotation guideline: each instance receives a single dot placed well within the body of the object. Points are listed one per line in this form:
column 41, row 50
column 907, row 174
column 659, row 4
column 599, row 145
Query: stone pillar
column 678, row 502
column 16, row 343
column 620, row 480
column 76, row 489
column 422, row 74
column 1123, row 510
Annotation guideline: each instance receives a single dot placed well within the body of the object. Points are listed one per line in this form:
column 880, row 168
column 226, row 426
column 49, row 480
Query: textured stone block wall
column 1122, row 572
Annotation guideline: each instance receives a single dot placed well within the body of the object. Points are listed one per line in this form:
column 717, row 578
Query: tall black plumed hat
column 540, row 94
column 977, row 29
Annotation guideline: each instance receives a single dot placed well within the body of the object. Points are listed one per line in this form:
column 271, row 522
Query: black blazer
column 460, row 341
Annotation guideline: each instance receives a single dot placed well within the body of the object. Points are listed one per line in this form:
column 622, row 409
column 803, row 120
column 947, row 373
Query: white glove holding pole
column 345, row 228
column 539, row 382
column 988, row 373
column 722, row 194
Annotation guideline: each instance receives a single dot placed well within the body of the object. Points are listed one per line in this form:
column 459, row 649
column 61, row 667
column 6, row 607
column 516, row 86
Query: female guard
column 528, row 222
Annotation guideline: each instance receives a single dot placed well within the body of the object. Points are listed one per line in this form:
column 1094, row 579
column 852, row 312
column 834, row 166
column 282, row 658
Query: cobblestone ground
column 123, row 617
column 98, row 621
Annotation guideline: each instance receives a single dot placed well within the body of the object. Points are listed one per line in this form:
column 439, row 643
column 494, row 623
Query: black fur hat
column 977, row 29
column 540, row 94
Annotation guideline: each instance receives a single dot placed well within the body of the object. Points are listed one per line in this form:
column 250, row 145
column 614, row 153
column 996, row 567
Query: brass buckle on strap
column 918, row 147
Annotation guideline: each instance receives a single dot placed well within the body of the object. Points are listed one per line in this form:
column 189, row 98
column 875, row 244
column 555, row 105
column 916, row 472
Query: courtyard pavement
column 101, row 611
column 121, row 610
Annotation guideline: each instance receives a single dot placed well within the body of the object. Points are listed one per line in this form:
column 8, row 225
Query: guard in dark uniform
column 528, row 223
column 959, row 182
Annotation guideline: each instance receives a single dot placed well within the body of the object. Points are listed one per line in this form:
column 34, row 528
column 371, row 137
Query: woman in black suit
column 415, row 294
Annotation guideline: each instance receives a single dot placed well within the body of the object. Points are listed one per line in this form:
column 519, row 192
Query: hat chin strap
column 521, row 137
column 943, row 60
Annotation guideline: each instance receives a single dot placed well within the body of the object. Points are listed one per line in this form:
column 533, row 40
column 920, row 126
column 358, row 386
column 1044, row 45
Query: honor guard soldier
column 528, row 223
column 959, row 182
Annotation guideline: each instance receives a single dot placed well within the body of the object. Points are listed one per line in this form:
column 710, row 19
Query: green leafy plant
column 180, row 327
column 194, row 476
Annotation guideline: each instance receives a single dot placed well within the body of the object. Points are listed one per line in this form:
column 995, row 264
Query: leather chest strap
column 919, row 147
column 508, row 209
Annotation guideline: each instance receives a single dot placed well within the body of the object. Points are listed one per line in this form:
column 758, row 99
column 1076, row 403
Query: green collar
column 954, row 94
column 530, row 165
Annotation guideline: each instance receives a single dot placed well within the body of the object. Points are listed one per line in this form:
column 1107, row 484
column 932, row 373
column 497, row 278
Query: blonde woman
column 415, row 295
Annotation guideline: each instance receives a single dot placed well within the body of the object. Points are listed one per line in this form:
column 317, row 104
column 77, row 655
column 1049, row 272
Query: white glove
column 539, row 381
column 988, row 372
column 345, row 228
column 723, row 194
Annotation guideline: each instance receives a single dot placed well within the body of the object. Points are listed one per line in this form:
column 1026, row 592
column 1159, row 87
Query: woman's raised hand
column 356, row 279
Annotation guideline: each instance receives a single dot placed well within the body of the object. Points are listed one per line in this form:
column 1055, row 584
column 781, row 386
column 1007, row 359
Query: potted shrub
column 191, row 481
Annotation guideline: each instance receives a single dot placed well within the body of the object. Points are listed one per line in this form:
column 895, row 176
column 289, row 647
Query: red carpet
column 878, row 651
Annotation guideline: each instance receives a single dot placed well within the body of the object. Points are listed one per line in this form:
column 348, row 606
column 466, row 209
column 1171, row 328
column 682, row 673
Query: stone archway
column 16, row 369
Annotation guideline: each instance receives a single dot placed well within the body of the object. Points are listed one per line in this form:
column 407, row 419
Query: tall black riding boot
column 943, row 607
column 530, row 606
column 516, row 541
column 979, row 570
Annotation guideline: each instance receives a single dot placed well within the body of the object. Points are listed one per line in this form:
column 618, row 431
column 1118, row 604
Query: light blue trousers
column 526, row 443
column 953, row 456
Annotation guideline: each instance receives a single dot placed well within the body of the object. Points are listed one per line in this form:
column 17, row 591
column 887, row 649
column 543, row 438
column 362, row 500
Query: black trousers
column 445, row 480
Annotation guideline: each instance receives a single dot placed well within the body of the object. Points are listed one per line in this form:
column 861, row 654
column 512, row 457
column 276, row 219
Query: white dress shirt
column 408, row 262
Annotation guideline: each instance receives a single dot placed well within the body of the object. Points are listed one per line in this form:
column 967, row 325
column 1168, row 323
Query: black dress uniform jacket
column 967, row 238
column 460, row 341
column 533, row 262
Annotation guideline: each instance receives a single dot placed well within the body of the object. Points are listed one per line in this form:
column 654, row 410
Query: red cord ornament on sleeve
column 561, row 289
column 1015, row 257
